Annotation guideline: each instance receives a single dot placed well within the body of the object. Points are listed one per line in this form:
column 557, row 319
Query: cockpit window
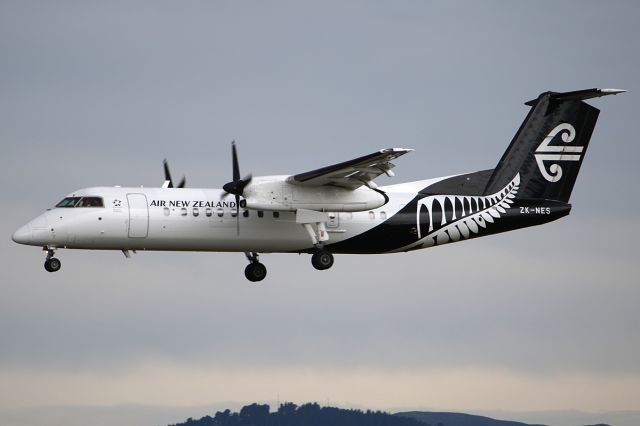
column 81, row 202
column 68, row 202
column 90, row 202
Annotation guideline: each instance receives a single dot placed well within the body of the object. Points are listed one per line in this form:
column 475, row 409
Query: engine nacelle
column 276, row 193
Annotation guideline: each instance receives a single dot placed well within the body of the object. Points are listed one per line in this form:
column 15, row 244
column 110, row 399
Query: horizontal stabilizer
column 578, row 95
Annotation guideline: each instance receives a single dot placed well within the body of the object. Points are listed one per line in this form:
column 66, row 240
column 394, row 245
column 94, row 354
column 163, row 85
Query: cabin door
column 138, row 216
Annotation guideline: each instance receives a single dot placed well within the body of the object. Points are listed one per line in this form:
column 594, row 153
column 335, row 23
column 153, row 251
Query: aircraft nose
column 34, row 233
column 23, row 235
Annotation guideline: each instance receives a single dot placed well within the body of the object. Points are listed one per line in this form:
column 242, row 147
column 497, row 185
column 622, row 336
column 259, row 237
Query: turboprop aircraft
column 338, row 208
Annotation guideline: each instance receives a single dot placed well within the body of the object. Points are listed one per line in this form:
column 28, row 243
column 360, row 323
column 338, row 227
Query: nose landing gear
column 52, row 264
column 255, row 271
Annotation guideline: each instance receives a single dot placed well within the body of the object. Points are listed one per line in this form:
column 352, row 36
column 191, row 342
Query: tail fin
column 549, row 147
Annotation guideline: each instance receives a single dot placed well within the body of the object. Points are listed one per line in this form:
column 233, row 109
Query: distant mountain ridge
column 312, row 414
column 436, row 418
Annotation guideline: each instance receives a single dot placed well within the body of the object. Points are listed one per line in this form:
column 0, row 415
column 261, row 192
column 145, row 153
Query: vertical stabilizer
column 550, row 145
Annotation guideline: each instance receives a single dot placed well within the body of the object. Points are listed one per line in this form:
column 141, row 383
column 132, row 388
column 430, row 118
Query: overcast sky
column 95, row 93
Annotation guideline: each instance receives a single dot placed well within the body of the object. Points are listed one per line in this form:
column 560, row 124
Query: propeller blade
column 237, row 215
column 237, row 185
column 234, row 159
column 167, row 173
column 169, row 180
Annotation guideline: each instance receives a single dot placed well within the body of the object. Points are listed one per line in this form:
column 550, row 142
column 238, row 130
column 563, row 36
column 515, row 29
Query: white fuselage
column 192, row 219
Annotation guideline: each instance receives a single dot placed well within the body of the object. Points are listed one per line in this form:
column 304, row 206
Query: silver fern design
column 442, row 219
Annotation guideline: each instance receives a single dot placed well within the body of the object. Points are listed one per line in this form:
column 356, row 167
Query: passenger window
column 196, row 212
column 276, row 214
column 166, row 211
column 234, row 213
column 245, row 213
column 183, row 211
column 372, row 215
column 260, row 213
column 220, row 212
column 208, row 211
column 383, row 215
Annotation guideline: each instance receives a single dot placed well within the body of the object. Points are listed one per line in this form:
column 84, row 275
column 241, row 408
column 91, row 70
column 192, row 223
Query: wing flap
column 353, row 173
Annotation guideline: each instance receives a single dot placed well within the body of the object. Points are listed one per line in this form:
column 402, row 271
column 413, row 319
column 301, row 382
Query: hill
column 457, row 419
column 312, row 414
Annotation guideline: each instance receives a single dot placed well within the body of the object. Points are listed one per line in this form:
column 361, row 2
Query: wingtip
column 396, row 150
column 612, row 91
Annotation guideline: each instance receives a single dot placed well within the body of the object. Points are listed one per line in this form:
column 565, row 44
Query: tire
column 255, row 271
column 52, row 265
column 322, row 260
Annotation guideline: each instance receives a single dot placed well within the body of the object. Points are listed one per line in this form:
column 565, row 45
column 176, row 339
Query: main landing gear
column 315, row 223
column 322, row 259
column 52, row 264
column 255, row 271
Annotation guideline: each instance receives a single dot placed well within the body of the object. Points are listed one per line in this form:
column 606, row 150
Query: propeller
column 237, row 185
column 167, row 177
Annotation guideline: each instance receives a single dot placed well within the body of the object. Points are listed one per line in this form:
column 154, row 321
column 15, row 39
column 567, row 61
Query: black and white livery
column 339, row 208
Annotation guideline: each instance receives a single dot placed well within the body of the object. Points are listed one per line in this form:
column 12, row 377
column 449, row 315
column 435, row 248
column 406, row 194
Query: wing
column 353, row 173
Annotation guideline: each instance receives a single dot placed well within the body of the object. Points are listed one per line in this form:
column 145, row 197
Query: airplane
column 336, row 209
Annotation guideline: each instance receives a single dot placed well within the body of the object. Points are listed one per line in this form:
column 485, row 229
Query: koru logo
column 546, row 152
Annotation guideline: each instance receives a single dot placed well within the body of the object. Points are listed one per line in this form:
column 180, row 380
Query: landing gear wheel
column 52, row 264
column 322, row 260
column 255, row 271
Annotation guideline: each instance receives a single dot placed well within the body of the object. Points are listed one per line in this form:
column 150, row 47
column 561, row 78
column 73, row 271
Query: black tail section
column 550, row 145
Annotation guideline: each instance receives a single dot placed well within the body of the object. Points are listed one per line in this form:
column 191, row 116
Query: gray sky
column 99, row 93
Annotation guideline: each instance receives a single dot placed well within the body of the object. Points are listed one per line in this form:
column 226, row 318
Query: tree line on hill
column 311, row 414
